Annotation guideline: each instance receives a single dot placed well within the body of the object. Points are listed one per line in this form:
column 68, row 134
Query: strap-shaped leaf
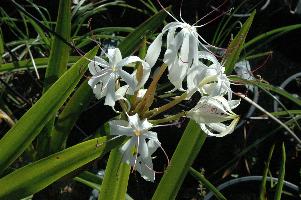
column 57, row 65
column 187, row 150
column 17, row 139
column 67, row 118
column 236, row 45
column 27, row 64
column 116, row 178
column 262, row 195
column 36, row 176
column 59, row 53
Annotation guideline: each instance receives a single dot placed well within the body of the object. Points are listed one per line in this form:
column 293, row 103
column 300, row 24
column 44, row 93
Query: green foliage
column 42, row 173
column 28, row 127
column 234, row 49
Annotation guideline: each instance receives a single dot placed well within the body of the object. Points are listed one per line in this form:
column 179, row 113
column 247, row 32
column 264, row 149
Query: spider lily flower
column 208, row 80
column 105, row 74
column 211, row 112
column 181, row 53
column 137, row 151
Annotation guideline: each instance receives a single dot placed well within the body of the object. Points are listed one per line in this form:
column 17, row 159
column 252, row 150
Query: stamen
column 137, row 133
column 214, row 10
column 166, row 11
column 181, row 12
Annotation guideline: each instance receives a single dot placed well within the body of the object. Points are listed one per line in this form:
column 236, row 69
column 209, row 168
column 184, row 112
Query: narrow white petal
column 170, row 36
column 143, row 148
column 114, row 56
column 146, row 170
column 224, row 130
column 134, row 121
column 126, row 150
column 145, row 125
column 208, row 56
column 128, row 60
column 116, row 128
column 94, row 68
column 153, row 145
column 110, row 93
column 98, row 92
column 151, row 135
column 171, row 52
column 154, row 50
column 128, row 78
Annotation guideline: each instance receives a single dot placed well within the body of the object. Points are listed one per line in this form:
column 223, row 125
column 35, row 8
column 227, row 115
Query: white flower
column 210, row 112
column 208, row 80
column 137, row 151
column 106, row 73
column 182, row 48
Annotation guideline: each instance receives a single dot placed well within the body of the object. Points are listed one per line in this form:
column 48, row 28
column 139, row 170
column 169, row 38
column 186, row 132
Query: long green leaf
column 15, row 141
column 183, row 157
column 57, row 65
column 236, row 46
column 281, row 175
column 59, row 53
column 36, row 176
column 1, row 47
column 116, row 178
column 67, row 118
column 89, row 179
column 200, row 177
column 262, row 195
column 281, row 30
column 27, row 64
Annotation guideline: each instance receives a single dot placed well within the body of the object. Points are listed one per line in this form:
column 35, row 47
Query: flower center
column 137, row 132
column 114, row 69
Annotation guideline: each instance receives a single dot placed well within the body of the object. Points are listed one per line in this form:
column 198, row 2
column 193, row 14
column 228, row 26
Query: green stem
column 169, row 118
column 167, row 106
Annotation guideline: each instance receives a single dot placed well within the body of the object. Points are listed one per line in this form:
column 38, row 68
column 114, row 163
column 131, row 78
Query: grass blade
column 262, row 195
column 279, row 31
column 281, row 175
column 27, row 64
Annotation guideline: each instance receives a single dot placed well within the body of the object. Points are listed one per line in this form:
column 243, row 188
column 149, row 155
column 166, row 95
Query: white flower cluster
column 188, row 60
